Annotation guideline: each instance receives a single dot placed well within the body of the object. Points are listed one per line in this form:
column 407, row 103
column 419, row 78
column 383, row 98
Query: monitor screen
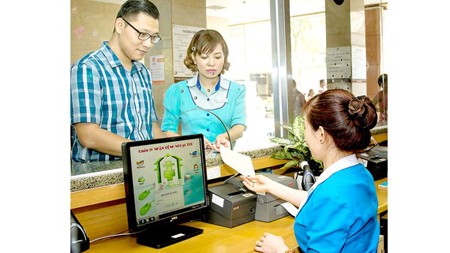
column 165, row 183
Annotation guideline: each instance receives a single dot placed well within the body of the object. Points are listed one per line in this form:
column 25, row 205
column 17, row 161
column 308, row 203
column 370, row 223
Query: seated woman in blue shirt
column 339, row 212
column 206, row 103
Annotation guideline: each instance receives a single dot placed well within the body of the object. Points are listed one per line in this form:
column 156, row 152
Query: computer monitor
column 165, row 185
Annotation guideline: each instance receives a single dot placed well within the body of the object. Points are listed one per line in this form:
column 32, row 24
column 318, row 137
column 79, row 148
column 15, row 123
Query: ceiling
column 257, row 8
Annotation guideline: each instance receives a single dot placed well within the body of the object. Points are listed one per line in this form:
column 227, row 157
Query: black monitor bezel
column 184, row 215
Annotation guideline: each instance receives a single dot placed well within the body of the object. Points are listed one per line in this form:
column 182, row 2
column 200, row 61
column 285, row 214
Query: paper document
column 239, row 162
column 292, row 210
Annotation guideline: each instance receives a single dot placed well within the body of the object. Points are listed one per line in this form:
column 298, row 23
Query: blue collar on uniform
column 199, row 86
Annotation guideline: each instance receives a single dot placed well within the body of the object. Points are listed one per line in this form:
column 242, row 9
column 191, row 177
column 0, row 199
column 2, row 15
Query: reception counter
column 98, row 195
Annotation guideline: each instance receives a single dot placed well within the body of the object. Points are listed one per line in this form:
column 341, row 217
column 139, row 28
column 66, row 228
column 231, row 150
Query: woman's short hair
column 205, row 41
column 348, row 119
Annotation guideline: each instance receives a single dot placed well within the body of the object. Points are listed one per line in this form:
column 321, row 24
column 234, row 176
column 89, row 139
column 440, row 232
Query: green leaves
column 298, row 129
column 282, row 155
column 296, row 136
column 294, row 147
column 291, row 164
column 281, row 141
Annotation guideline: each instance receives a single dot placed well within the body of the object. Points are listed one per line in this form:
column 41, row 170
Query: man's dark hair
column 134, row 7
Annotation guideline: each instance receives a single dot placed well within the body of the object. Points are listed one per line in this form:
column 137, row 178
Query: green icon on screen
column 145, row 209
column 144, row 194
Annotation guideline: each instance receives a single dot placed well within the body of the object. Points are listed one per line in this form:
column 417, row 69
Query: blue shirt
column 187, row 103
column 340, row 213
column 104, row 92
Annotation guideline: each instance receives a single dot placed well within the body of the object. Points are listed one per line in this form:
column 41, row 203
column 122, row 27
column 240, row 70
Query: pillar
column 346, row 49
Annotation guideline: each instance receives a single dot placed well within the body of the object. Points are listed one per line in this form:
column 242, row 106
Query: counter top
column 380, row 129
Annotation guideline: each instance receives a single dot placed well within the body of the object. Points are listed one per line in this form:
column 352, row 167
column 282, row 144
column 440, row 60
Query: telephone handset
column 308, row 179
column 79, row 241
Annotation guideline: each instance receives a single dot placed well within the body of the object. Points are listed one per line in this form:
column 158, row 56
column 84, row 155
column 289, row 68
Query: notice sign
column 157, row 69
column 339, row 63
column 359, row 63
column 182, row 36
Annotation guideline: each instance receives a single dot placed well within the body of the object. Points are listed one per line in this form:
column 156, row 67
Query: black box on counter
column 375, row 161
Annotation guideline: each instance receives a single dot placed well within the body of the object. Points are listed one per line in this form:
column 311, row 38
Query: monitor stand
column 160, row 237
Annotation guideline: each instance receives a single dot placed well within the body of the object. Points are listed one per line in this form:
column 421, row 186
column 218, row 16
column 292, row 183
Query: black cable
column 114, row 235
column 119, row 234
column 224, row 126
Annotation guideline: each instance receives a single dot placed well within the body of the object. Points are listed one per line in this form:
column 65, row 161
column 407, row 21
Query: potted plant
column 294, row 148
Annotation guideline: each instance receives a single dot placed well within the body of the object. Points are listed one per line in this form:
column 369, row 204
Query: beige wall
column 178, row 12
column 93, row 22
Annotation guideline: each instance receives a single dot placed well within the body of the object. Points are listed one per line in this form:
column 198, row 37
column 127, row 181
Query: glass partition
column 245, row 26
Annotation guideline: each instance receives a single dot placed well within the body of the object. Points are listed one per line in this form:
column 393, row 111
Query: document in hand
column 239, row 162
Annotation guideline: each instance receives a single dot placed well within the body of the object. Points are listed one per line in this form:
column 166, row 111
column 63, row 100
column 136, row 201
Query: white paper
column 292, row 210
column 239, row 162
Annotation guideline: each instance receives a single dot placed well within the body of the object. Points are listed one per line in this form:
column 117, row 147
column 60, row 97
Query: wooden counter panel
column 97, row 195
column 381, row 137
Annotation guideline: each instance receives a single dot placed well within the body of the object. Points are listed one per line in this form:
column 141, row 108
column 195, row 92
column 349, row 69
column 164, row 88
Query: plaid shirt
column 104, row 92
